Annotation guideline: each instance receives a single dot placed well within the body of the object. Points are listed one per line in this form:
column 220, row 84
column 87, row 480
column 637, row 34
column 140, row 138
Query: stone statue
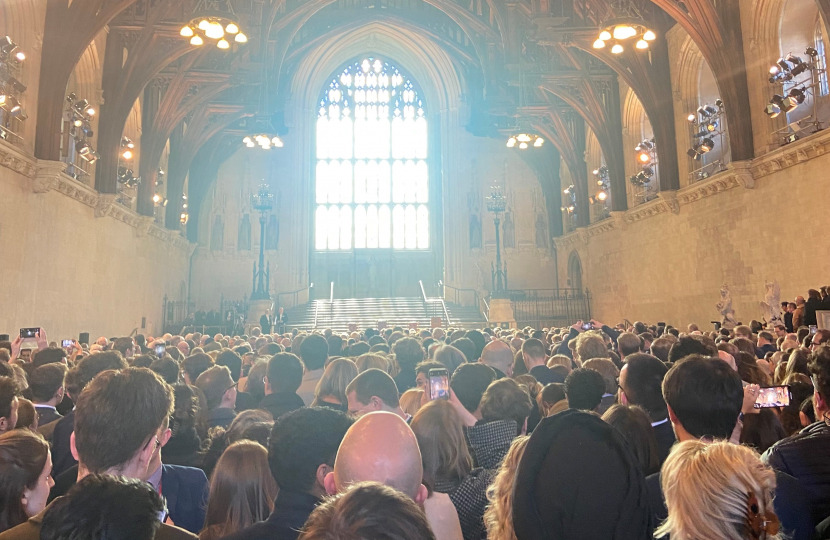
column 217, row 234
column 771, row 306
column 475, row 232
column 272, row 233
column 541, row 232
column 724, row 307
column 244, row 237
column 509, row 231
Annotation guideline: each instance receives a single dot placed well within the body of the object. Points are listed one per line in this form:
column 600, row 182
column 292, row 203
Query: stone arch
column 636, row 127
column 575, row 271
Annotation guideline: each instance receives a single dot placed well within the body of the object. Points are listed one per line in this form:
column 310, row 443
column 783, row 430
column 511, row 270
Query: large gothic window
column 372, row 179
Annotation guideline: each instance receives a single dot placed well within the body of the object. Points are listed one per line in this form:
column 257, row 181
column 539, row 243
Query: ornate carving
column 13, row 159
column 103, row 205
column 670, row 200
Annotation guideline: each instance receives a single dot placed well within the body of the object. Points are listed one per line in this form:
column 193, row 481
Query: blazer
column 46, row 415
column 61, row 455
column 186, row 491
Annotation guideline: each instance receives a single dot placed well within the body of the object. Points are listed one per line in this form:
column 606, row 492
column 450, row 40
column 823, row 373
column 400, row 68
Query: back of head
column 337, row 376
column 644, row 384
column 820, row 370
column 358, row 349
column 23, row 456
column 117, row 414
column 498, row 355
column 661, row 347
column 629, row 343
column 408, row 352
column 97, row 363
column 167, row 368
column 232, row 361
column 214, row 383
column 450, row 357
column 300, row 442
column 584, row 389
column 368, row 511
column 314, row 351
column 285, row 373
column 550, row 395
column 744, row 344
column 466, row 346
column 335, row 345
column 124, row 345
column 469, row 383
column 104, row 507
column 196, row 364
column 590, row 345
column 45, row 382
column 607, row 369
column 689, row 345
column 478, row 340
column 570, row 458
column 506, row 400
column 534, row 349
column 713, row 490
column 705, row 395
column 50, row 355
column 635, row 425
column 440, row 434
column 374, row 383
column 371, row 361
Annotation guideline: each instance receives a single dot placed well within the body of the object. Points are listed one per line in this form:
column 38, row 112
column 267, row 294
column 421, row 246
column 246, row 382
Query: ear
column 165, row 436
column 422, row 495
column 4, row 424
column 145, row 455
column 672, row 417
column 377, row 404
column 328, row 483
column 267, row 383
column 322, row 471
column 818, row 400
column 72, row 447
column 524, row 427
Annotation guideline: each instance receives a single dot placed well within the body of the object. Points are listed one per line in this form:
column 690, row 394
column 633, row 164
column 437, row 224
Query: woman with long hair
column 242, row 490
column 499, row 515
column 25, row 476
column 717, row 491
column 635, row 426
column 331, row 390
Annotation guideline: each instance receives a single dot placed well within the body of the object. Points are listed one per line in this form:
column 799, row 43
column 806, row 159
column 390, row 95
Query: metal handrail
column 316, row 312
column 295, row 294
column 331, row 304
column 486, row 310
column 438, row 300
column 331, row 294
column 476, row 298
column 423, row 292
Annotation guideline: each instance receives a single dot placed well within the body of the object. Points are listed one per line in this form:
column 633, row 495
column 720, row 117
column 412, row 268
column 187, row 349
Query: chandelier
column 523, row 136
column 625, row 25
column 214, row 20
column 263, row 135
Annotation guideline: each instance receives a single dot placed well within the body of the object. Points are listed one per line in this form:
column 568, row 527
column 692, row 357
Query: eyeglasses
column 234, row 385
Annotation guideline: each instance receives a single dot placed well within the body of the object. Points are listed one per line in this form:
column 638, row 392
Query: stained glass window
column 372, row 178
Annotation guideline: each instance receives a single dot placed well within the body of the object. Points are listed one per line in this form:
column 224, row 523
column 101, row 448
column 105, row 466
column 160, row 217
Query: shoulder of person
column 25, row 531
column 188, row 474
column 169, row 532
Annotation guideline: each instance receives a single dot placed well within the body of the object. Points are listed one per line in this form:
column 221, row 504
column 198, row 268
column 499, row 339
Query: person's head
column 25, row 476
column 444, row 451
column 820, row 371
column 372, row 390
column 466, row 346
column 704, row 397
column 762, row 430
column 408, row 352
column 167, row 368
column 717, row 490
column 232, row 361
column 533, row 353
column 410, row 401
column 689, row 345
column 379, row 447
column 743, row 331
column 194, row 365
column 218, row 386
column 584, row 389
column 118, row 418
column 314, row 351
column 590, row 345
column 661, row 347
column 335, row 345
column 124, row 345
column 103, row 506
column 499, row 514
column 469, row 383
column 450, row 357
column 641, row 383
column 628, row 344
column 506, row 400
column 478, row 340
column 26, row 415
column 50, row 355
column 371, row 361
column 9, row 402
column 242, row 490
column 577, row 474
column 498, row 355
column 552, row 399
column 607, row 369
column 422, row 372
column 635, row 425
column 337, row 376
column 47, row 384
column 368, row 510
column 303, row 446
column 284, row 374
column 821, row 337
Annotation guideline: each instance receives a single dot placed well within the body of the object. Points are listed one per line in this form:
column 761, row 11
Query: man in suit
column 266, row 321
column 47, row 387
column 119, row 421
column 280, row 320
column 533, row 354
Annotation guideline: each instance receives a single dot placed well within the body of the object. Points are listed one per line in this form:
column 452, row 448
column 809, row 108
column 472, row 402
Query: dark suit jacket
column 544, row 375
column 281, row 403
column 61, row 455
column 46, row 415
column 291, row 510
column 31, row 531
column 665, row 440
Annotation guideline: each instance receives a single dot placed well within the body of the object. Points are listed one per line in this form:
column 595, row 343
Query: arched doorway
column 574, row 271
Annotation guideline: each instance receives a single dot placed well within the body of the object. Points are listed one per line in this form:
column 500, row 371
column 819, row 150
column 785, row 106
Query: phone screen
column 66, row 343
column 813, row 329
column 160, row 350
column 439, row 384
column 773, row 396
column 26, row 333
column 587, row 326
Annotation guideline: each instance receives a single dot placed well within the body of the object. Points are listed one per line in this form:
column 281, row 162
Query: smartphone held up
column 439, row 384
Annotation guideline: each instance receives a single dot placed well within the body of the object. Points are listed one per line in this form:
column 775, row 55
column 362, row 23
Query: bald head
column 379, row 447
column 498, row 355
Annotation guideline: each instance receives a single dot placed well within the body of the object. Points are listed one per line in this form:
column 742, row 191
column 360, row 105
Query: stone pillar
column 501, row 312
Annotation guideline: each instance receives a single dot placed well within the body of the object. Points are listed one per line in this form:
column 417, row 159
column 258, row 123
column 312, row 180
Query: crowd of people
column 583, row 432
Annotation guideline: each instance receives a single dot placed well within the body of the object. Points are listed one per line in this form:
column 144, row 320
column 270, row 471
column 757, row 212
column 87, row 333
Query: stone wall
column 666, row 260
column 74, row 261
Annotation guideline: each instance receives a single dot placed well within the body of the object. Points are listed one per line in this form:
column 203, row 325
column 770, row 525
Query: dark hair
column 167, row 368
column 762, row 430
column 478, row 340
column 92, row 365
column 425, row 366
column 374, row 382
column 142, row 360
column 117, row 414
column 214, row 382
column 469, row 382
column 314, row 352
column 644, row 384
column 584, row 389
column 122, row 345
column 820, row 370
column 629, row 343
column 196, row 364
column 634, row 424
column 285, row 372
column 706, row 396
column 301, row 441
column 376, row 340
column 45, row 381
column 552, row 393
column 790, row 419
column 534, row 348
column 359, row 348
column 661, row 347
column 105, row 507
column 8, row 391
column 232, row 361
column 689, row 345
column 744, row 344
column 408, row 352
column 335, row 345
column 50, row 355
column 368, row 510
column 467, row 348
column 504, row 399
column 22, row 459
column 749, row 370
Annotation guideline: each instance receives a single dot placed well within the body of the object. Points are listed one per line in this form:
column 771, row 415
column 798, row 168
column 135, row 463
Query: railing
column 465, row 297
column 294, row 297
column 175, row 314
column 430, row 304
column 331, row 304
column 550, row 307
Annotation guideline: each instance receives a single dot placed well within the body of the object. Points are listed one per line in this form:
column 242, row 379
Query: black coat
column 281, row 403
column 810, row 308
column 291, row 510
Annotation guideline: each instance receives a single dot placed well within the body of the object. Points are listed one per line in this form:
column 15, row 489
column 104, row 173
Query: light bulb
column 232, row 28
column 642, row 44
column 617, row 49
column 250, row 144
column 127, row 155
column 523, row 146
column 649, row 36
column 196, row 40
column 215, row 31
column 246, row 140
column 78, row 122
column 90, row 111
column 691, row 117
column 599, row 44
column 223, row 44
column 511, row 142
column 204, row 24
column 622, row 31
column 644, row 158
column 602, row 195
column 186, row 31
column 605, row 35
column 241, row 38
column 539, row 142
column 524, row 137
column 20, row 56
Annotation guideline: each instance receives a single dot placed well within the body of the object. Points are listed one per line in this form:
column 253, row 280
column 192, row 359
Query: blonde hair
column 499, row 514
column 411, row 400
column 440, row 433
column 337, row 376
column 560, row 360
column 707, row 488
column 370, row 360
